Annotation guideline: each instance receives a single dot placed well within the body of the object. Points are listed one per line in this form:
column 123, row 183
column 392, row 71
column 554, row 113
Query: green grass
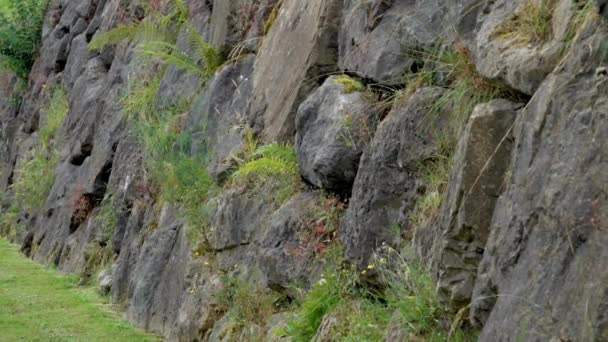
column 38, row 304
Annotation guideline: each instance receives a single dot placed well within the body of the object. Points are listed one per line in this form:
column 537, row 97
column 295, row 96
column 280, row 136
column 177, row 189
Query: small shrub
column 20, row 32
column 350, row 85
column 532, row 23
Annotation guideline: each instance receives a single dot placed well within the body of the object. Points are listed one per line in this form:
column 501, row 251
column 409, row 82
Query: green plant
column 350, row 85
column 154, row 27
column 105, row 219
column 56, row 110
column 245, row 303
column 532, row 23
column 20, row 32
column 34, row 178
column 411, row 291
column 338, row 282
column 156, row 37
column 10, row 227
column 274, row 164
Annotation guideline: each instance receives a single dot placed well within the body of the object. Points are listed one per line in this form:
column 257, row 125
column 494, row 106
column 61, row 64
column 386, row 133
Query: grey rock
column 333, row 128
column 285, row 256
column 378, row 38
column 387, row 185
column 479, row 168
column 304, row 38
column 218, row 116
column 522, row 65
column 104, row 282
column 544, row 271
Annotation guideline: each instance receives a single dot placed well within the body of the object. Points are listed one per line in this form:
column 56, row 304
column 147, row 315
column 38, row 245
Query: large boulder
column 544, row 272
column 300, row 48
column 506, row 47
column 479, row 168
column 379, row 38
column 333, row 127
column 387, row 185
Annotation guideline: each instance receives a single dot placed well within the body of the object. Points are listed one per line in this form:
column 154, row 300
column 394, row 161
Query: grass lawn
column 39, row 304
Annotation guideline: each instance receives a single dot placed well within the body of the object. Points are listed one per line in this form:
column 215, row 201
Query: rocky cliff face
column 507, row 98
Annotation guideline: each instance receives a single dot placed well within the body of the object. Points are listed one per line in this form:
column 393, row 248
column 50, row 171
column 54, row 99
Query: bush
column 20, row 33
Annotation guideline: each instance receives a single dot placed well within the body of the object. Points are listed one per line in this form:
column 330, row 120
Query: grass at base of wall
column 38, row 304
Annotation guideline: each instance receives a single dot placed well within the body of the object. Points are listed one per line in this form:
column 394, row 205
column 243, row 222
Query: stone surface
column 304, row 38
column 522, row 65
column 387, row 185
column 544, row 271
column 104, row 282
column 479, row 168
column 217, row 119
column 333, row 128
column 379, row 38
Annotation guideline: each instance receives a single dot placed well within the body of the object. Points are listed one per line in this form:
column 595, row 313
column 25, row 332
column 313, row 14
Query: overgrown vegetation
column 408, row 301
column 532, row 23
column 20, row 33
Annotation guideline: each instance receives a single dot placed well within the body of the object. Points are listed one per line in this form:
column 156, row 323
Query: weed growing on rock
column 338, row 305
column 451, row 67
column 350, row 85
column 35, row 176
column 35, row 173
column 20, row 32
column 105, row 219
column 246, row 304
column 56, row 111
column 274, row 164
column 156, row 37
column 532, row 23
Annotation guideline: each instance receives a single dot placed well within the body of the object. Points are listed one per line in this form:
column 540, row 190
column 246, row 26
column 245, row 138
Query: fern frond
column 212, row 58
column 114, row 36
column 280, row 151
column 168, row 53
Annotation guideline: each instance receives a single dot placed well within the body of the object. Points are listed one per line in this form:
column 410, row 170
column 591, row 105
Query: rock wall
column 520, row 242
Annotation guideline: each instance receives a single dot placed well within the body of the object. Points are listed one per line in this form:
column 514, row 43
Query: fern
column 275, row 164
